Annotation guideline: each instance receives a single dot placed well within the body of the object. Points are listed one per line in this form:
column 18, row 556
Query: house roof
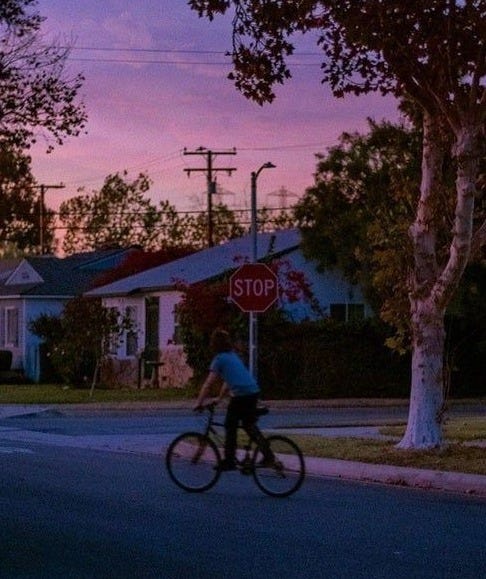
column 51, row 276
column 202, row 265
column 7, row 266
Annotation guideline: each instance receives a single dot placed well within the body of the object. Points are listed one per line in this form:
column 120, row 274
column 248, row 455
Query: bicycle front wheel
column 192, row 459
column 284, row 475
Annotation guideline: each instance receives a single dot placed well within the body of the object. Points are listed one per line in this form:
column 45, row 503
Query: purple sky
column 142, row 115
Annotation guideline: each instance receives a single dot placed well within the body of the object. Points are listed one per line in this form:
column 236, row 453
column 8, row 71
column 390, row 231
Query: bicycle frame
column 211, row 432
column 193, row 458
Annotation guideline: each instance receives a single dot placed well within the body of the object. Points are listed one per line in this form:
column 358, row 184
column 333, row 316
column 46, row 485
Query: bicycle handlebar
column 209, row 406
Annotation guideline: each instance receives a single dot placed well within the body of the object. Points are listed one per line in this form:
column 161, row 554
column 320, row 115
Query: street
column 78, row 512
column 93, row 420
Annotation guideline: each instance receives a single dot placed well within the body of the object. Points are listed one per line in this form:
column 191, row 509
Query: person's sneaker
column 226, row 465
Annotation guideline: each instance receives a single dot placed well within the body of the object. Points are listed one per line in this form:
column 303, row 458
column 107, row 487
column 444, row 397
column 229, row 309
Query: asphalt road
column 75, row 513
column 101, row 420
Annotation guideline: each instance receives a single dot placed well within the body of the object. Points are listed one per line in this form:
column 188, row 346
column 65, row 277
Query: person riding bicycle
column 244, row 394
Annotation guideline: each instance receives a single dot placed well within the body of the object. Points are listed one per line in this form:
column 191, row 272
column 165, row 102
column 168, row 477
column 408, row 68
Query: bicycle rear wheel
column 283, row 476
column 191, row 461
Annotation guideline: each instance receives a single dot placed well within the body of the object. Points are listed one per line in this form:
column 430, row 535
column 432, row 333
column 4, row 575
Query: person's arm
column 205, row 389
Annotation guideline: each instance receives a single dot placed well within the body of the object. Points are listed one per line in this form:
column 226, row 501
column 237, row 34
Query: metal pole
column 41, row 218
column 252, row 329
column 43, row 188
column 253, row 319
column 210, row 171
column 254, row 251
column 210, row 185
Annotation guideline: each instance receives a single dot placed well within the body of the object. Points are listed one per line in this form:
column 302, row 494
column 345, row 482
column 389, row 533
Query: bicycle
column 193, row 460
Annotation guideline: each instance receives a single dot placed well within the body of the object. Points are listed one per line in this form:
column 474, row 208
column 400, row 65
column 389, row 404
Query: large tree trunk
column 427, row 319
column 432, row 287
column 424, row 427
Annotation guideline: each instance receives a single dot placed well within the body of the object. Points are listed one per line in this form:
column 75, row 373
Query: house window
column 347, row 312
column 131, row 341
column 12, row 327
column 338, row 312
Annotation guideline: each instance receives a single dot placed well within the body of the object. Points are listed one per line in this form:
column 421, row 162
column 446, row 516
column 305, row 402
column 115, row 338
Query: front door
column 151, row 328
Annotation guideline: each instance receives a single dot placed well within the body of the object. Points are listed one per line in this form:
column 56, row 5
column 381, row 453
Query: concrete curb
column 472, row 484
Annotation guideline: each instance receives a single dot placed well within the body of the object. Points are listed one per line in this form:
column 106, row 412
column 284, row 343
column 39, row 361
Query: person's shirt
column 230, row 367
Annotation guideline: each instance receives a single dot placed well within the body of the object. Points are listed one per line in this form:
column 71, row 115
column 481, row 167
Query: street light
column 253, row 320
column 254, row 177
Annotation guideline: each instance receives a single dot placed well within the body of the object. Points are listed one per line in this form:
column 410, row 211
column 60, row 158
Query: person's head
column 220, row 341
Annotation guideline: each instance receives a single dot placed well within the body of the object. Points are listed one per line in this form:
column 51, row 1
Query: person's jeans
column 243, row 409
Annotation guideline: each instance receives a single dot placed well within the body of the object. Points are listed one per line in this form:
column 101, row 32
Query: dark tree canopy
column 429, row 54
column 37, row 95
column 391, row 46
column 357, row 215
column 19, row 205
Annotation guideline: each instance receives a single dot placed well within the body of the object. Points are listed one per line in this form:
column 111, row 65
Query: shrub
column 327, row 359
column 77, row 341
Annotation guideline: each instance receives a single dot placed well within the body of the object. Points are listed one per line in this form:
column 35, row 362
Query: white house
column 151, row 297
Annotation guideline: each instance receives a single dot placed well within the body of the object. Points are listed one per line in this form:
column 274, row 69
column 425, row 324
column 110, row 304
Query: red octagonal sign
column 254, row 287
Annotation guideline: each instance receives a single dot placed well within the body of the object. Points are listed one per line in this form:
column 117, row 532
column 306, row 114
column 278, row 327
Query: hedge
column 329, row 360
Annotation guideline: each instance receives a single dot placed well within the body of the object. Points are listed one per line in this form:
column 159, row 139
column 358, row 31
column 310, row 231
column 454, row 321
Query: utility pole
column 284, row 194
column 210, row 171
column 43, row 189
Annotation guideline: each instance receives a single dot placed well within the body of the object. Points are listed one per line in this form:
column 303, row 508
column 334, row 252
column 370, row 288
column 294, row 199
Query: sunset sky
column 156, row 84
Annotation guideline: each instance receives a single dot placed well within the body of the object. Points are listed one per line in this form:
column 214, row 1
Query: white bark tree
column 432, row 55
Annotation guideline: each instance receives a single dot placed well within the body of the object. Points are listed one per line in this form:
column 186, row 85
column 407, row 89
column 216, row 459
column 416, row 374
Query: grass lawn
column 458, row 455
column 57, row 394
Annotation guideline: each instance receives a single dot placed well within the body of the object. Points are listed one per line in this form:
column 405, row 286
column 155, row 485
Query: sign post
column 253, row 288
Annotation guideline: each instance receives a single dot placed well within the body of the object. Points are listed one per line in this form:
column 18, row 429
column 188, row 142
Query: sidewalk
column 347, row 470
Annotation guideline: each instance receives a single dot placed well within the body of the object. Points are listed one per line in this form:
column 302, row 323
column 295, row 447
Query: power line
column 146, row 61
column 177, row 212
column 164, row 50
column 175, row 155
column 167, row 51
column 166, row 62
column 149, row 50
column 239, row 211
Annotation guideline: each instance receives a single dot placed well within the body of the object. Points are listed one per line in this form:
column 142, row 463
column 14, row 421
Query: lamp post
column 253, row 320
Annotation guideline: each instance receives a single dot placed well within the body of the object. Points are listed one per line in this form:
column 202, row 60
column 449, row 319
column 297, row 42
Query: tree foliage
column 117, row 215
column 19, row 205
column 121, row 214
column 37, row 94
column 371, row 45
column 433, row 56
column 80, row 338
column 356, row 216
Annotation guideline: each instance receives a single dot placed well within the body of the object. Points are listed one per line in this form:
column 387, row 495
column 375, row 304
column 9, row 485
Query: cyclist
column 243, row 391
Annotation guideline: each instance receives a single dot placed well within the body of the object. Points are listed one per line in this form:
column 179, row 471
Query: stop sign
column 254, row 287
